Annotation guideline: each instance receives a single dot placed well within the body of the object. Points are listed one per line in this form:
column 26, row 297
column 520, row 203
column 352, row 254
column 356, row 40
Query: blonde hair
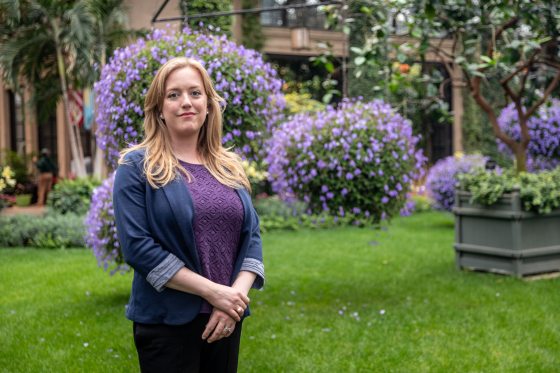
column 160, row 163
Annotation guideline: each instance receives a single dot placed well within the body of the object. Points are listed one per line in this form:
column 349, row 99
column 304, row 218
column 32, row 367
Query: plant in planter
column 507, row 222
column 24, row 194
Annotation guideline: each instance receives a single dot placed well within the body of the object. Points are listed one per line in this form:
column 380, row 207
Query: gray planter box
column 503, row 238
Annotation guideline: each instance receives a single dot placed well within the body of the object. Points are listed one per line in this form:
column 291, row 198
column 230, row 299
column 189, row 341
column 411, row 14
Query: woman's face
column 185, row 104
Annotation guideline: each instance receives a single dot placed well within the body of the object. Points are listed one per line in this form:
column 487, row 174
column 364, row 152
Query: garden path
column 28, row 210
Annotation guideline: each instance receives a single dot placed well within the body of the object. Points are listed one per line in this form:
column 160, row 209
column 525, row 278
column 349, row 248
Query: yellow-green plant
column 6, row 177
column 302, row 103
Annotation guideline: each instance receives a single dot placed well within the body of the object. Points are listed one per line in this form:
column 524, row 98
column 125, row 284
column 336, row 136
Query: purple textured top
column 218, row 217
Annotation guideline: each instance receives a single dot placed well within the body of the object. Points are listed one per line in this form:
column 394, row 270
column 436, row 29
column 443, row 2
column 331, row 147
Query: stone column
column 62, row 143
column 457, row 106
column 4, row 121
column 236, row 29
column 30, row 125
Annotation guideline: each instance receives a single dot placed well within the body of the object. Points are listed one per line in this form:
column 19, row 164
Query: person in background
column 187, row 227
column 47, row 171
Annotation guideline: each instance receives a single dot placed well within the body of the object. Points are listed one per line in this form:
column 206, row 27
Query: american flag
column 76, row 102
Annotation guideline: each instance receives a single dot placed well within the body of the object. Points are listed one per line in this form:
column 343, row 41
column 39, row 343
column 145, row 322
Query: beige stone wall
column 140, row 12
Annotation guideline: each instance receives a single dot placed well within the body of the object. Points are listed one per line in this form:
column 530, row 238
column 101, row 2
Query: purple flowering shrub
column 101, row 234
column 543, row 152
column 249, row 85
column 443, row 177
column 358, row 159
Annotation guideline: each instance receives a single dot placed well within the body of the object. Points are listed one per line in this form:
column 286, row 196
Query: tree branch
column 483, row 103
column 544, row 97
column 512, row 22
column 527, row 72
column 519, row 69
column 509, row 91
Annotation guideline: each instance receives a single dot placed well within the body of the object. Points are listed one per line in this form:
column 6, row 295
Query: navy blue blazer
column 155, row 231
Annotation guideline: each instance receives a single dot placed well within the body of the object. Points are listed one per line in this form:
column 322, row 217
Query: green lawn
column 338, row 300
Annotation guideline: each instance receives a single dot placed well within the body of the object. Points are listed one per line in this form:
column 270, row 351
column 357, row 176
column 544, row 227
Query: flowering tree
column 248, row 84
column 444, row 175
column 513, row 44
column 359, row 159
column 544, row 132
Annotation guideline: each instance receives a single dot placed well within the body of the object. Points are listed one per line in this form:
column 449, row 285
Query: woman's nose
column 185, row 100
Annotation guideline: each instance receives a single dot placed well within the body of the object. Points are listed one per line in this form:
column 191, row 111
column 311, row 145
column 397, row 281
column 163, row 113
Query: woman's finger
column 210, row 326
column 240, row 310
column 217, row 334
column 234, row 314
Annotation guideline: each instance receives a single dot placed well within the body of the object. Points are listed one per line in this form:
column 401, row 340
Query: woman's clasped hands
column 229, row 306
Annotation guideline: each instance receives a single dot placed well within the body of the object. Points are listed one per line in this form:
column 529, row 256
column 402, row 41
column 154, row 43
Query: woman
column 187, row 227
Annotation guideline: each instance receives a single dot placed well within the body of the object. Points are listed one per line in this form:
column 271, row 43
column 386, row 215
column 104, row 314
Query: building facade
column 290, row 34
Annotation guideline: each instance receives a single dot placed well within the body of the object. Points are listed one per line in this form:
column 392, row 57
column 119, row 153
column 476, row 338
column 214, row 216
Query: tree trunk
column 521, row 158
column 99, row 166
column 77, row 156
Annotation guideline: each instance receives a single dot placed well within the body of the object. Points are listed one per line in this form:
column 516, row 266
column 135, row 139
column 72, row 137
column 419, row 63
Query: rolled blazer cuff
column 159, row 276
column 257, row 267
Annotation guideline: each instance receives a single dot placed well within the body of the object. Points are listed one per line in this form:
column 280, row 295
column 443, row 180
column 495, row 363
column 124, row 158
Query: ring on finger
column 239, row 309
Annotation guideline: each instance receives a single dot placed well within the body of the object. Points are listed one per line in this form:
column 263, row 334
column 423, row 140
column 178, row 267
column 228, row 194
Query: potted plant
column 23, row 200
column 507, row 222
column 24, row 194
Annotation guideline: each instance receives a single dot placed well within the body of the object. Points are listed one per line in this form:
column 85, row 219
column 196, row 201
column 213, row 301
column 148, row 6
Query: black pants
column 180, row 348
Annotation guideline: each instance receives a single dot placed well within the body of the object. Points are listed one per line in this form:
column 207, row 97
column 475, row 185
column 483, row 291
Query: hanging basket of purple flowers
column 250, row 87
column 358, row 158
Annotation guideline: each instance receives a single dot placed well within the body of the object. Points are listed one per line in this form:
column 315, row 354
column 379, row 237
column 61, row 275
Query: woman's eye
column 196, row 93
column 172, row 95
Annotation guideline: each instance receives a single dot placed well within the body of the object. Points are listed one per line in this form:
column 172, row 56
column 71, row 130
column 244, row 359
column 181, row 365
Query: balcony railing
column 310, row 17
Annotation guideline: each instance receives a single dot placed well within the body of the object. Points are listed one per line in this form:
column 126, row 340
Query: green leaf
column 360, row 60
column 357, row 50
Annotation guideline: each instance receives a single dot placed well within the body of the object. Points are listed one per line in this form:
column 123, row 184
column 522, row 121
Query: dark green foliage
column 477, row 131
column 50, row 231
column 253, row 37
column 72, row 196
column 500, row 45
column 193, row 7
column 385, row 67
column 275, row 214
